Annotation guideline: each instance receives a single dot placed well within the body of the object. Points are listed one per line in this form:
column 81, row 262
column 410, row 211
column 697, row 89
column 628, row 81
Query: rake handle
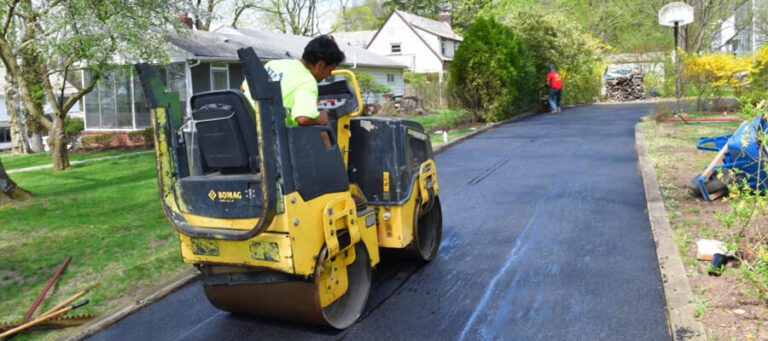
column 43, row 318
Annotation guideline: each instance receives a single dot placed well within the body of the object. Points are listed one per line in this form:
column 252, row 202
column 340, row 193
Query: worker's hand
column 322, row 119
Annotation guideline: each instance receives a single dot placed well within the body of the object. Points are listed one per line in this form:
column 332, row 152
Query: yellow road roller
column 279, row 223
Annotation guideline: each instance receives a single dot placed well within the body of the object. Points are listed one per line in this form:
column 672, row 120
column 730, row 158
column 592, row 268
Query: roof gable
column 397, row 15
column 224, row 43
column 432, row 26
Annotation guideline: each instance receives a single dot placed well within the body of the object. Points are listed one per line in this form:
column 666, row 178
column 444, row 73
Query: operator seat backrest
column 226, row 131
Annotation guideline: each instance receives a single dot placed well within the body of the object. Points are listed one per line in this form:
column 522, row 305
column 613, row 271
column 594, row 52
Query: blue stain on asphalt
column 521, row 245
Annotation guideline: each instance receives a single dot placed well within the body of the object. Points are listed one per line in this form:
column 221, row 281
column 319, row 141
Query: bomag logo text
column 226, row 196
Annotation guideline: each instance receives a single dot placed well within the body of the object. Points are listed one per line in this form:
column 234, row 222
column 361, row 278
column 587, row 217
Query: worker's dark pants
column 552, row 95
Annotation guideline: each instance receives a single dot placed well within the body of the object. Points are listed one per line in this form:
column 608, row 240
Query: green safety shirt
column 298, row 86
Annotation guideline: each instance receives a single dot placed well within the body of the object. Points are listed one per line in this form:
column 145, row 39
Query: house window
column 395, row 47
column 390, row 78
column 442, row 47
column 118, row 102
column 5, row 135
column 219, row 77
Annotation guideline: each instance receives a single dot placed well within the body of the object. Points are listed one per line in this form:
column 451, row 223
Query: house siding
column 415, row 54
column 106, row 112
column 380, row 74
column 201, row 78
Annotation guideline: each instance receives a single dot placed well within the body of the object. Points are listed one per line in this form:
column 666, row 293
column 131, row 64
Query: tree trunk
column 19, row 143
column 9, row 191
column 30, row 64
column 58, row 144
column 36, row 142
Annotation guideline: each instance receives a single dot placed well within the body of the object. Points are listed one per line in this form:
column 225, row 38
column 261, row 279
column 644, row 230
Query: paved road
column 545, row 237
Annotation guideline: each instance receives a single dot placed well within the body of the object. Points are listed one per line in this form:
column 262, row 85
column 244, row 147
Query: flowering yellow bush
column 718, row 69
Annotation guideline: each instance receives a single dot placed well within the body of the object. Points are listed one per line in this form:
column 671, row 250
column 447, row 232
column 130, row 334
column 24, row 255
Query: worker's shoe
column 560, row 109
column 553, row 111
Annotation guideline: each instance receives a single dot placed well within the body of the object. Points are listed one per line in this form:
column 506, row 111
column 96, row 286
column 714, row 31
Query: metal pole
column 677, row 70
column 676, row 30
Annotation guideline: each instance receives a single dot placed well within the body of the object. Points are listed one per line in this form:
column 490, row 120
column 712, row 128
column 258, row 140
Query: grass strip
column 40, row 159
column 107, row 216
column 437, row 139
column 445, row 119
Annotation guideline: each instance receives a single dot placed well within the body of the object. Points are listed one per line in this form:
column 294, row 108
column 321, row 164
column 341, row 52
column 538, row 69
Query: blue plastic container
column 743, row 154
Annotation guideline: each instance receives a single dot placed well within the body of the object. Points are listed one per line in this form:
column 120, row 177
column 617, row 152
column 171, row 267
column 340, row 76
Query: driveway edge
column 192, row 274
column 154, row 295
column 677, row 291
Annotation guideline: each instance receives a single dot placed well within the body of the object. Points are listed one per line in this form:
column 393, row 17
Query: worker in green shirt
column 298, row 80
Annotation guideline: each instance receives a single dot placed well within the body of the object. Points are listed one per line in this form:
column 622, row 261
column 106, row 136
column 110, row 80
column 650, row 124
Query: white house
column 734, row 36
column 203, row 61
column 424, row 45
column 5, row 130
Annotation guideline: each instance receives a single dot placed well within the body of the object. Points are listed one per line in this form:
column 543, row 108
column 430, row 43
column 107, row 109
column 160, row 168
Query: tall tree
column 74, row 35
column 299, row 17
column 9, row 191
column 369, row 15
column 203, row 12
column 30, row 60
column 698, row 36
column 465, row 12
column 626, row 25
column 424, row 8
column 19, row 143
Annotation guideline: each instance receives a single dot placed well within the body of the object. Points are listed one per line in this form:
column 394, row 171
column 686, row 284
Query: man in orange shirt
column 555, row 85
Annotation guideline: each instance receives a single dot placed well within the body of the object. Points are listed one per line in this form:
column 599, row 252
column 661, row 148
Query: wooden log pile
column 625, row 88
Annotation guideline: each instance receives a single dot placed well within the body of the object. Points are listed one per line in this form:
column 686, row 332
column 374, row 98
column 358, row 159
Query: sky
column 327, row 10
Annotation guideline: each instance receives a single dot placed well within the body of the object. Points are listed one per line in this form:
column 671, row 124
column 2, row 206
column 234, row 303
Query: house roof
column 355, row 37
column 435, row 27
column 223, row 44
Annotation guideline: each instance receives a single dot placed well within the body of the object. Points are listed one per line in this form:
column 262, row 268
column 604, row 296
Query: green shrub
column 104, row 140
column 369, row 86
column 410, row 77
column 144, row 137
column 72, row 128
column 555, row 38
column 492, row 73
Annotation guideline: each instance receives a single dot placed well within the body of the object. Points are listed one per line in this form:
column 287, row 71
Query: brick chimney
column 186, row 20
column 446, row 17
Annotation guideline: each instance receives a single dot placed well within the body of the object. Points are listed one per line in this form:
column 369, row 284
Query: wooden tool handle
column 43, row 318
column 71, row 299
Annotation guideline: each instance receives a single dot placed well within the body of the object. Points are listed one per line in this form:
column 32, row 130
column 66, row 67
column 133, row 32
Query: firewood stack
column 625, row 88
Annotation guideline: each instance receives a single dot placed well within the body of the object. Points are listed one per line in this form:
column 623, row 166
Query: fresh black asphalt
column 545, row 237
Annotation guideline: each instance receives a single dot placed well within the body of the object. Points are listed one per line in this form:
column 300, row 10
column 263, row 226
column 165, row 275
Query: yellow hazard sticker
column 204, row 247
column 385, row 181
column 266, row 251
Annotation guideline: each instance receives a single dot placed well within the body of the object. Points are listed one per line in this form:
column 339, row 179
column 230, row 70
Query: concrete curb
column 192, row 274
column 677, row 291
column 28, row 169
column 115, row 315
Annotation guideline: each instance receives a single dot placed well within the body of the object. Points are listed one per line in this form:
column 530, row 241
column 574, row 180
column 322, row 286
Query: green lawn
column 445, row 119
column 40, row 159
column 107, row 216
column 437, row 139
